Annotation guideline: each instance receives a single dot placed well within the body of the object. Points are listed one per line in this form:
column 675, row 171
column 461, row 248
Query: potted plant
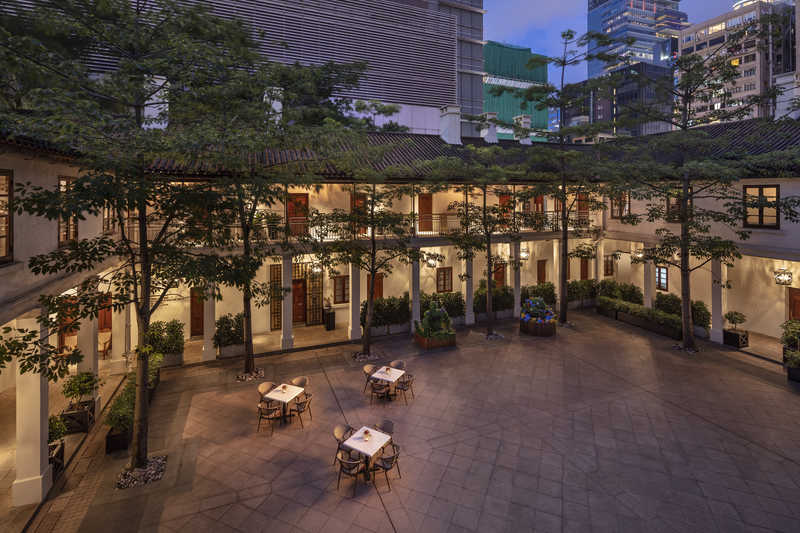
column 56, row 429
column 167, row 339
column 791, row 348
column 735, row 337
column 435, row 330
column 79, row 390
column 120, row 417
column 229, row 335
column 537, row 318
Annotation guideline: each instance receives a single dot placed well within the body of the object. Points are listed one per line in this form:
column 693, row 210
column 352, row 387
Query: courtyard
column 604, row 428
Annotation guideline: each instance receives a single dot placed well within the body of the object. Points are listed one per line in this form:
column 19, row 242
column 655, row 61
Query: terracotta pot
column 431, row 343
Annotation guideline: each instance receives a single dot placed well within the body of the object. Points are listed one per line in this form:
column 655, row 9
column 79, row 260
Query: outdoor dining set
column 280, row 403
column 386, row 382
column 367, row 451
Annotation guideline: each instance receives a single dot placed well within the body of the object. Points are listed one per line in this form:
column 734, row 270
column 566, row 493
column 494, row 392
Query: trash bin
column 329, row 317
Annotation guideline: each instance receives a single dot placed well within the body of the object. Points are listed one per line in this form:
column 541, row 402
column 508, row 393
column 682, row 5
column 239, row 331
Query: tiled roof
column 33, row 145
column 757, row 136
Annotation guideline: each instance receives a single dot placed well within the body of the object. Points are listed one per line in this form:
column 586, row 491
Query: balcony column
column 415, row 295
column 719, row 274
column 354, row 329
column 599, row 260
column 34, row 476
column 120, row 339
column 515, row 249
column 287, row 337
column 649, row 284
column 469, row 317
column 557, row 266
column 209, row 326
column 87, row 344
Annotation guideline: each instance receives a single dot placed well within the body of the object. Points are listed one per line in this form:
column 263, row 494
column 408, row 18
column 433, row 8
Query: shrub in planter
column 56, row 429
column 581, row 290
column 388, row 311
column 546, row 291
column 167, row 338
column 155, row 361
column 452, row 302
column 735, row 337
column 435, row 330
column 644, row 317
column 502, row 298
column 671, row 304
column 229, row 332
column 120, row 416
column 79, row 390
column 630, row 293
column 537, row 318
column 792, row 363
column 791, row 348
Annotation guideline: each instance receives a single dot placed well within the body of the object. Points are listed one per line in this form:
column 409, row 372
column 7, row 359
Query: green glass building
column 507, row 65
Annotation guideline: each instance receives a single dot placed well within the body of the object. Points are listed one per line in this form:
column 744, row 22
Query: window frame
column 672, row 215
column 72, row 225
column 620, row 206
column 9, row 257
column 608, row 260
column 760, row 224
column 447, row 285
column 662, row 286
column 345, row 281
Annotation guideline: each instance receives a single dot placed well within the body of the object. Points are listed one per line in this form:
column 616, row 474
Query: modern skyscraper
column 507, row 66
column 654, row 24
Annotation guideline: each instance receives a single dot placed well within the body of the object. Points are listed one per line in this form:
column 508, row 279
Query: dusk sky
column 539, row 23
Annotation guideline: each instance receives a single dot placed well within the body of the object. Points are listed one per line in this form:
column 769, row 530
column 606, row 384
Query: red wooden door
column 541, row 271
column 298, row 300
column 538, row 204
column 104, row 316
column 66, row 327
column 377, row 291
column 794, row 304
column 499, row 275
column 297, row 211
column 506, row 206
column 196, row 324
column 358, row 202
column 584, row 269
column 425, row 212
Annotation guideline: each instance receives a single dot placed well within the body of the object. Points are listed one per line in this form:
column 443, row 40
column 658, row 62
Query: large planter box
column 646, row 324
column 431, row 344
column 578, row 304
column 56, row 456
column 537, row 330
column 399, row 328
column 610, row 313
column 738, row 338
column 117, row 440
column 80, row 418
column 172, row 359
column 234, row 350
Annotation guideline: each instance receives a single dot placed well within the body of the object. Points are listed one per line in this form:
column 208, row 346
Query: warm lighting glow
column 637, row 254
column 783, row 276
column 316, row 268
column 431, row 262
column 524, row 254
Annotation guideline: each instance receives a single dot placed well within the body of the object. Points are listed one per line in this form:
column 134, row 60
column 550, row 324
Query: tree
column 118, row 125
column 689, row 179
column 564, row 172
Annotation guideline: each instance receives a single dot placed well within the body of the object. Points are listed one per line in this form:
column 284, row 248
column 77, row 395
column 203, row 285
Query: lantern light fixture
column 638, row 254
column 431, row 262
column 783, row 276
column 524, row 254
column 316, row 268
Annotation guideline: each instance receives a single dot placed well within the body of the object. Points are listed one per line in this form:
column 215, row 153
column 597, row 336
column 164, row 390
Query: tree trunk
column 367, row 336
column 563, row 301
column 249, row 362
column 489, row 271
column 686, row 272
column 140, row 413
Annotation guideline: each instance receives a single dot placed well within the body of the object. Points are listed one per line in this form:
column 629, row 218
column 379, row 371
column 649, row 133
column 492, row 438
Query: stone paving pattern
column 605, row 428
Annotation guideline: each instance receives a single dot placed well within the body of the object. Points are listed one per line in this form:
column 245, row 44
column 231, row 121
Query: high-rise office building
column 654, row 24
column 507, row 66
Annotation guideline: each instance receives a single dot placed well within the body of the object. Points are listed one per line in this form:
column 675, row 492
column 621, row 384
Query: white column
column 87, row 344
column 599, row 260
column 557, row 266
column 415, row 295
column 287, row 337
column 354, row 327
column 209, row 326
column 719, row 275
column 515, row 247
column 649, row 283
column 34, row 477
column 120, row 340
column 469, row 318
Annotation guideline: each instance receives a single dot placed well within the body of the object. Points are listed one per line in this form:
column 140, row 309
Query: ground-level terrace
column 602, row 428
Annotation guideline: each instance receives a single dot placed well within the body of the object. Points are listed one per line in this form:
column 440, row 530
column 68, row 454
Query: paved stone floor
column 604, row 428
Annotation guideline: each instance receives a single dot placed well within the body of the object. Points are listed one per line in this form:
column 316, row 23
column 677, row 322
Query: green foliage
column 701, row 316
column 79, row 386
column 435, row 324
column 670, row 321
column 734, row 318
column 581, row 290
column 388, row 311
column 34, row 354
column 671, row 304
column 792, row 358
column 120, row 414
column 165, row 337
column 229, row 330
column 502, row 298
column 452, row 302
column 154, row 363
column 56, row 429
column 546, row 291
column 620, row 291
column 791, row 334
column 537, row 310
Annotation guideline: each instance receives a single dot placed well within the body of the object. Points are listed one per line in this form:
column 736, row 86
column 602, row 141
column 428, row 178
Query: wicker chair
column 378, row 389
column 264, row 388
column 301, row 381
column 270, row 412
column 300, row 407
column 350, row 468
column 398, row 364
column 386, row 426
column 341, row 432
column 404, row 385
column 388, row 462
column 368, row 371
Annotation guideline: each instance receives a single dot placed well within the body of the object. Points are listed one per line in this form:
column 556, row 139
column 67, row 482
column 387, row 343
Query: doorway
column 794, row 304
column 541, row 271
column 196, row 324
column 584, row 269
column 425, row 212
column 499, row 275
column 298, row 301
column 297, row 212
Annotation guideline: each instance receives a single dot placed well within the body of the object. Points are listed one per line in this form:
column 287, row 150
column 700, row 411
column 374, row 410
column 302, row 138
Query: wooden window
column 583, row 203
column 341, row 289
column 762, row 216
column 297, row 212
column 444, row 279
column 377, row 290
column 621, row 205
column 608, row 265
column 662, row 278
column 541, row 271
column 67, row 227
column 6, row 217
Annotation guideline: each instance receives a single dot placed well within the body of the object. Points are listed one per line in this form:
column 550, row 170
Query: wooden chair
column 264, row 388
column 404, row 385
column 387, row 462
column 398, row 364
column 368, row 371
column 341, row 432
column 300, row 407
column 270, row 412
column 378, row 389
column 350, row 468
column 386, row 426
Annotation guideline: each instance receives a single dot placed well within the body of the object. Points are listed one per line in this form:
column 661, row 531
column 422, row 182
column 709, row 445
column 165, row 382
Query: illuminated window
column 6, row 217
column 341, row 289
column 766, row 214
column 662, row 278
